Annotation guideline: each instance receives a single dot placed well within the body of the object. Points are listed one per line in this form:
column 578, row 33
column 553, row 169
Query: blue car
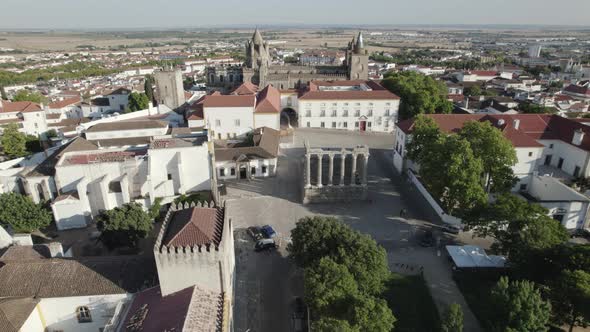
column 268, row 231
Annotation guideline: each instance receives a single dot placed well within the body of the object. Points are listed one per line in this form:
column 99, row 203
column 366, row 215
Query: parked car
column 268, row 231
column 428, row 239
column 265, row 244
column 256, row 233
column 452, row 228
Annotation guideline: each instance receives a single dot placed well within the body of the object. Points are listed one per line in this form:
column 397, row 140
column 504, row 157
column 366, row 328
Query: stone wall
column 330, row 194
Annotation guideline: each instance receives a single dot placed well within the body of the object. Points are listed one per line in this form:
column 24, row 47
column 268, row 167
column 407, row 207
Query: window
column 387, row 104
column 345, row 113
column 308, row 113
column 357, row 113
column 322, row 113
column 169, row 176
column 115, row 187
column 369, row 124
column 576, row 171
column 36, row 125
column 345, row 124
column 522, row 187
column 253, row 170
column 217, row 123
column 322, row 125
column 356, row 124
column 333, row 113
column 387, row 112
column 83, row 314
column 551, row 146
column 308, row 125
column 264, row 169
column 222, row 172
column 530, row 154
column 333, row 124
column 334, row 104
column 237, row 122
column 232, row 171
column 370, row 113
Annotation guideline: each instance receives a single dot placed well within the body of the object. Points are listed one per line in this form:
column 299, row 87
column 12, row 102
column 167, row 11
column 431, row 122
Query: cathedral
column 258, row 68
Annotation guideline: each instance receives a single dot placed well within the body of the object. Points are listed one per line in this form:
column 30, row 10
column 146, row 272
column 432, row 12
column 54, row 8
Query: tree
column 519, row 227
column 138, row 101
column 529, row 108
column 474, row 90
column 25, row 95
column 124, row 226
column 570, row 296
column 496, row 153
column 317, row 237
column 519, row 307
column 425, row 135
column 452, row 319
column 22, row 214
column 370, row 314
column 420, row 94
column 453, row 174
column 328, row 285
column 330, row 324
column 14, row 143
column 148, row 87
column 3, row 93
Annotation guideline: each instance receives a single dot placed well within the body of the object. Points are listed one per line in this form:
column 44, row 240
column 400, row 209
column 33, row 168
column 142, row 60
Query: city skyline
column 68, row 14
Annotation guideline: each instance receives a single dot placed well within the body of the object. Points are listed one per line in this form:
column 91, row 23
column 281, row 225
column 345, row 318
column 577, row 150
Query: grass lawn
column 476, row 289
column 412, row 305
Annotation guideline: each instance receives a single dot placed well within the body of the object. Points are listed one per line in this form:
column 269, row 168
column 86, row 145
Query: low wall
column 330, row 194
column 446, row 218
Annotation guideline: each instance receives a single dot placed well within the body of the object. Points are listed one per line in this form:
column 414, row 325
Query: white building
column 544, row 144
column 535, row 51
column 29, row 116
column 348, row 105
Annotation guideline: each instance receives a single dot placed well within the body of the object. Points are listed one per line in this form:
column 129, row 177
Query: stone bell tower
column 357, row 59
column 257, row 60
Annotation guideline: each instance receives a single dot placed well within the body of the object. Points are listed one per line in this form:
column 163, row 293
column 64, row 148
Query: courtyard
column 267, row 283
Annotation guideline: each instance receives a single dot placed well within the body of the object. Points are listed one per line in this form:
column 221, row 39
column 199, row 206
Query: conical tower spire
column 360, row 44
column 257, row 37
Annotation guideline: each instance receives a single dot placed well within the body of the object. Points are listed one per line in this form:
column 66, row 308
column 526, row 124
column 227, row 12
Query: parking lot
column 267, row 282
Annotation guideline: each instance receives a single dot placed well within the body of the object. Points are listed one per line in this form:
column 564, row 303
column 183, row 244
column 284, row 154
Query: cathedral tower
column 257, row 59
column 357, row 59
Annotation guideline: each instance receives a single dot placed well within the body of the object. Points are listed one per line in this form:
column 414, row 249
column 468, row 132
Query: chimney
column 578, row 137
column 466, row 102
column 516, row 124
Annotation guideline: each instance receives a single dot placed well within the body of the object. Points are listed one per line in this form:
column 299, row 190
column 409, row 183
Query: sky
column 113, row 14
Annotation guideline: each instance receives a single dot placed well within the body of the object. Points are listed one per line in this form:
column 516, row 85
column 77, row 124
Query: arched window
column 83, row 314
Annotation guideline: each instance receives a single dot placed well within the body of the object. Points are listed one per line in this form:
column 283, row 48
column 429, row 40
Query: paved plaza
column 267, row 283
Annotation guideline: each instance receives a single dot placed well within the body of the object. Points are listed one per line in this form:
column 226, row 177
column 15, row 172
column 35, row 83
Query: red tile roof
column 196, row 226
column 19, row 106
column 484, row 72
column 268, row 101
column 247, row 88
column 65, row 102
column 578, row 90
column 377, row 92
column 218, row 100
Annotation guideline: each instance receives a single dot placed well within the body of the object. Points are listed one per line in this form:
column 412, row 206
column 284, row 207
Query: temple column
column 353, row 174
column 320, row 170
column 331, row 172
column 308, row 174
column 365, row 166
column 342, row 168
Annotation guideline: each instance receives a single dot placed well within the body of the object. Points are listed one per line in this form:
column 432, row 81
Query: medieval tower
column 169, row 87
column 257, row 59
column 357, row 59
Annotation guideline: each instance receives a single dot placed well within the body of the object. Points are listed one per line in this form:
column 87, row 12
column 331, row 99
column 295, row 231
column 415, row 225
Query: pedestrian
column 401, row 213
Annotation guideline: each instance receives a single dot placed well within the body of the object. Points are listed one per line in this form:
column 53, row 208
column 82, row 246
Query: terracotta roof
column 268, row 101
column 578, row 89
column 47, row 166
column 377, row 91
column 65, row 102
column 484, row 72
column 196, row 226
column 120, row 91
column 19, row 106
column 69, row 122
column 215, row 100
column 67, row 196
column 127, row 125
column 247, row 88
column 104, row 157
column 52, row 116
column 18, row 252
column 14, row 312
column 266, row 146
column 61, row 277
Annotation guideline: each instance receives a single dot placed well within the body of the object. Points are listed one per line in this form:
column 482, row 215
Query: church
column 259, row 70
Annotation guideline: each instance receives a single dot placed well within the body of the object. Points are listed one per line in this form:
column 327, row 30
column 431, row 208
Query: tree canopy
column 14, row 143
column 22, row 214
column 345, row 273
column 570, row 294
column 519, row 307
column 26, row 95
column 420, row 94
column 124, row 226
column 138, row 101
column 452, row 319
column 496, row 153
column 148, row 86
